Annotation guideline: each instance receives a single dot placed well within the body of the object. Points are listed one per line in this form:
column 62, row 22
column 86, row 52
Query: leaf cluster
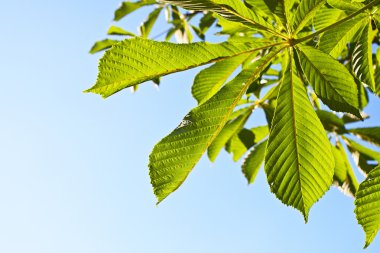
column 309, row 65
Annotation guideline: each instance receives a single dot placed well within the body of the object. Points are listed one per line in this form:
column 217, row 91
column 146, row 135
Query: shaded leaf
column 253, row 161
column 147, row 25
column 349, row 118
column 365, row 159
column 102, row 45
column 331, row 122
column 344, row 177
column 241, row 142
column 370, row 134
column 226, row 133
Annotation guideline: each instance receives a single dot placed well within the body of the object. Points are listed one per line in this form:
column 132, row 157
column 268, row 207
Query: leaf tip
column 306, row 216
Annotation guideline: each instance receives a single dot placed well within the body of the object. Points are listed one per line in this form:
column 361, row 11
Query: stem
column 310, row 36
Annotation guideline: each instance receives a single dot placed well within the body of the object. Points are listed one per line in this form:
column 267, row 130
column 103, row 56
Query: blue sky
column 73, row 167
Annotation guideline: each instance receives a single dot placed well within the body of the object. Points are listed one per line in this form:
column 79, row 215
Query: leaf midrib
column 149, row 77
column 296, row 135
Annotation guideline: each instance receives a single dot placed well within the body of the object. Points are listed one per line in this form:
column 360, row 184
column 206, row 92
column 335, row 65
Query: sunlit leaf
column 298, row 161
column 173, row 158
column 331, row 81
column 368, row 205
column 115, row 30
column 208, row 81
column 362, row 63
column 305, row 12
column 129, row 7
column 102, row 45
column 335, row 40
column 137, row 60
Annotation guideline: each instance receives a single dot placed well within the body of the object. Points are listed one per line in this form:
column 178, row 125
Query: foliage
column 308, row 64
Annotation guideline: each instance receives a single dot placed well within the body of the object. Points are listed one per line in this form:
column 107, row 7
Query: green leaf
column 370, row 134
column 137, row 60
column 231, row 10
column 174, row 157
column 266, row 6
column 362, row 63
column 269, row 110
column 345, row 5
column 253, row 161
column 102, row 45
column 226, row 133
column 363, row 94
column 298, row 160
column 349, row 118
column 367, row 205
column 305, row 12
column 331, row 122
column 331, row 81
column 274, row 9
column 129, row 7
column 325, row 17
column 241, row 142
column 208, row 81
column 115, row 30
column 364, row 157
column 147, row 25
column 206, row 22
column 344, row 177
column 335, row 40
column 231, row 28
column 282, row 9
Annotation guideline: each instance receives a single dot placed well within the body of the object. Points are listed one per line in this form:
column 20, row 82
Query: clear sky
column 73, row 167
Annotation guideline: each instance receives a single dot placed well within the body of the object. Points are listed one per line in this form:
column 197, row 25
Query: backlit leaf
column 298, row 160
column 362, row 63
column 367, row 205
column 137, row 60
column 305, row 12
column 229, row 9
column 115, row 30
column 102, row 45
column 335, row 40
column 331, row 81
column 208, row 81
column 129, row 7
column 173, row 158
